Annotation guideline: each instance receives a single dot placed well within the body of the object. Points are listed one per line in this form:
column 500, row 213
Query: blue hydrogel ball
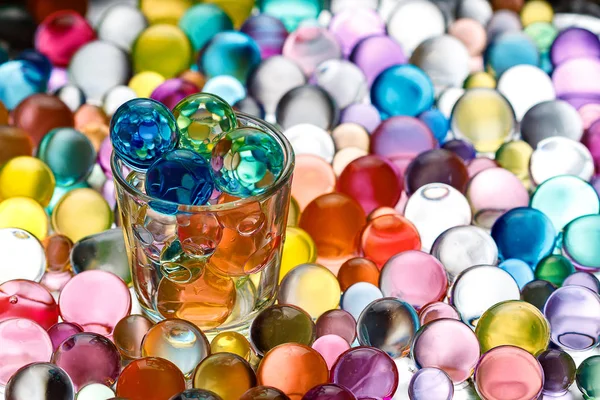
column 19, row 79
column 203, row 21
column 402, row 90
column 141, row 131
column 42, row 62
column 226, row 87
column 437, row 123
column 524, row 233
column 180, row 176
column 229, row 53
column 246, row 162
column 519, row 270
column 510, row 49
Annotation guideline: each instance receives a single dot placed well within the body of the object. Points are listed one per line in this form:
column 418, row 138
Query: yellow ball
column 231, row 342
column 24, row 213
column 237, row 10
column 80, row 213
column 293, row 213
column 162, row 48
column 27, row 177
column 513, row 323
column 299, row 248
column 164, row 11
column 480, row 80
column 144, row 83
column 485, row 118
column 514, row 156
column 536, row 11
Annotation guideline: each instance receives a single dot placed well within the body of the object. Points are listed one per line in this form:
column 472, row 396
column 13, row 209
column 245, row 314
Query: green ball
column 588, row 378
column 554, row 269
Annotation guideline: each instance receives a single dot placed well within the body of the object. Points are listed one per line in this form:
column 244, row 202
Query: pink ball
column 61, row 34
column 591, row 140
column 330, row 347
column 21, row 298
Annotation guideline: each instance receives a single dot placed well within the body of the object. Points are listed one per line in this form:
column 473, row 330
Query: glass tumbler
column 215, row 265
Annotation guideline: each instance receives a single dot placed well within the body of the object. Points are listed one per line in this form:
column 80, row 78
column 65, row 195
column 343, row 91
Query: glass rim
column 286, row 174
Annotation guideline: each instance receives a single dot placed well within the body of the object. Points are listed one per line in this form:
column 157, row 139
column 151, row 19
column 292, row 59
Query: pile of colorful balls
column 299, row 199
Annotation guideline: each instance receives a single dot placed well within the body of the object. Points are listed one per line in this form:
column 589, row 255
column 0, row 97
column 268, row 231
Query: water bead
column 587, row 377
column 196, row 394
column 201, row 118
column 81, row 212
column 350, row 134
column 574, row 316
column 509, row 370
column 311, row 287
column 162, row 48
column 309, row 46
column 144, row 83
column 129, row 333
column 352, row 25
column 551, row 118
column 431, row 383
column 358, row 296
column 345, row 156
column 226, row 374
column 335, row 241
column 445, row 59
column 311, row 139
column 484, row 117
column 268, row 32
column 272, row 79
column 574, row 81
column 471, row 32
column 514, row 156
column 461, row 148
column 20, row 79
column 524, row 233
column 439, row 166
column 95, row 391
column 357, row 269
column 27, row 177
column 103, row 251
column 172, row 91
column 337, row 322
column 508, row 49
column 556, row 156
column 554, row 269
column 225, row 86
column 264, row 393
column 40, row 380
column 537, row 292
column 298, row 248
column 313, row 177
column 388, row 324
column 246, row 162
column 21, row 256
column 480, row 79
column 478, row 288
column 61, row 331
column 433, row 209
column 232, row 342
column 202, row 21
column 502, row 324
column 519, row 270
column 116, row 97
column 292, row 368
column 402, row 90
column 121, row 24
column 413, row 22
column 281, row 324
column 330, row 347
column 565, row 198
column 104, row 293
column 24, row 213
column 559, row 371
column 307, row 104
column 585, row 279
column 89, row 68
column 15, row 142
column 479, row 164
column 376, row 53
column 40, row 113
column 573, row 43
column 579, row 237
column 524, row 86
column 229, row 53
column 249, row 106
column 367, row 372
column 416, row 286
column 437, row 310
column 437, row 122
column 343, row 80
column 26, row 299
column 150, row 378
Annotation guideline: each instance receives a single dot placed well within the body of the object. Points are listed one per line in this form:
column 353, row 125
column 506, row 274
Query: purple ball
column 461, row 148
column 172, row 91
column 430, row 383
column 584, row 279
column 104, row 157
column 574, row 43
column 559, row 371
column 328, row 391
column 363, row 114
column 354, row 24
column 268, row 32
column 375, row 54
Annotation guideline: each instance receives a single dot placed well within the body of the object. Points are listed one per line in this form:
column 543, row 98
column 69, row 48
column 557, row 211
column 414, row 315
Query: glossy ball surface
column 40, row 380
column 229, row 53
column 129, row 333
column 21, row 298
column 587, row 377
column 162, row 48
column 559, row 371
column 226, row 374
column 27, row 177
column 40, row 113
column 141, row 131
column 232, row 342
column 150, row 378
column 431, row 383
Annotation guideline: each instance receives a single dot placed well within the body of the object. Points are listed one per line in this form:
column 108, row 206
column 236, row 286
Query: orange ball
column 194, row 77
column 388, row 235
column 334, row 221
column 40, row 113
column 14, row 142
column 205, row 300
column 58, row 252
column 89, row 114
column 358, row 269
column 225, row 374
column 313, row 177
column 150, row 378
column 293, row 368
column 96, row 133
